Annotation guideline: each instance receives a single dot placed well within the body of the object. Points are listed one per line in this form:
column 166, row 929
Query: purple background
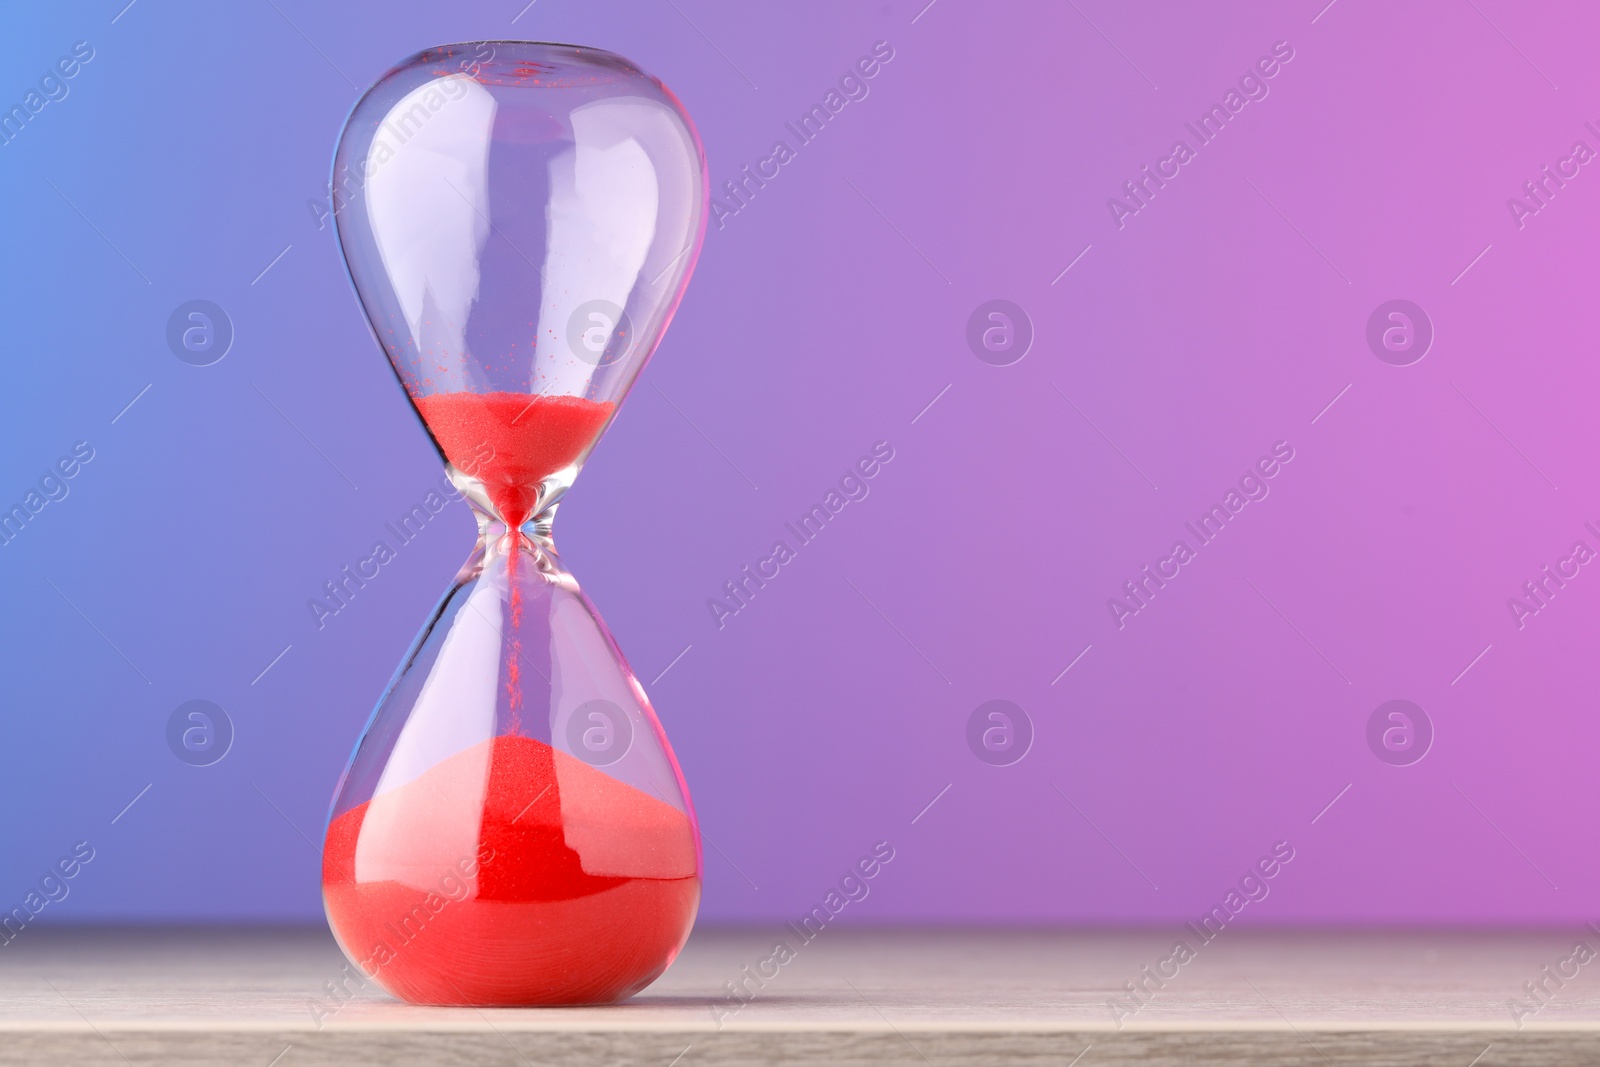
column 825, row 316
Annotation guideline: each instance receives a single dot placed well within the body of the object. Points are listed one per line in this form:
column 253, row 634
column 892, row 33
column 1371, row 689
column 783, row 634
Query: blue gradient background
column 822, row 318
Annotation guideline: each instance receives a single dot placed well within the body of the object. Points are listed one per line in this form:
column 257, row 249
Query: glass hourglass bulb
column 519, row 221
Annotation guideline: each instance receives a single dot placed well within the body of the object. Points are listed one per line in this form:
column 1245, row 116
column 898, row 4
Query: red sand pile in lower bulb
column 512, row 441
column 512, row 873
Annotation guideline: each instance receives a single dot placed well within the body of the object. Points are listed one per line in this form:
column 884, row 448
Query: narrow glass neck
column 514, row 554
column 537, row 530
column 545, row 500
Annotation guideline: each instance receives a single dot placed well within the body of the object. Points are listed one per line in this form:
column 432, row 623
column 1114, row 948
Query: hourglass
column 519, row 221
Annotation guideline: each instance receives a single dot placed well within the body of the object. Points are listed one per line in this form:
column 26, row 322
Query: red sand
column 578, row 888
column 512, row 441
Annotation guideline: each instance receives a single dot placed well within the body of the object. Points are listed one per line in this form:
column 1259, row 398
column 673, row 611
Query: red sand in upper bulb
column 512, row 441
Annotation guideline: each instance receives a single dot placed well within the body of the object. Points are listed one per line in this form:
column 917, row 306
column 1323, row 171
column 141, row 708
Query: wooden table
column 257, row 998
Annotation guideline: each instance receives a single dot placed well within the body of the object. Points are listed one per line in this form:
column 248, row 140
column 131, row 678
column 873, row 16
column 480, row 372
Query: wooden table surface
column 258, row 998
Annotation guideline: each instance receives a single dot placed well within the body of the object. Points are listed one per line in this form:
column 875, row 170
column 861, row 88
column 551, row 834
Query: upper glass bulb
column 520, row 221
